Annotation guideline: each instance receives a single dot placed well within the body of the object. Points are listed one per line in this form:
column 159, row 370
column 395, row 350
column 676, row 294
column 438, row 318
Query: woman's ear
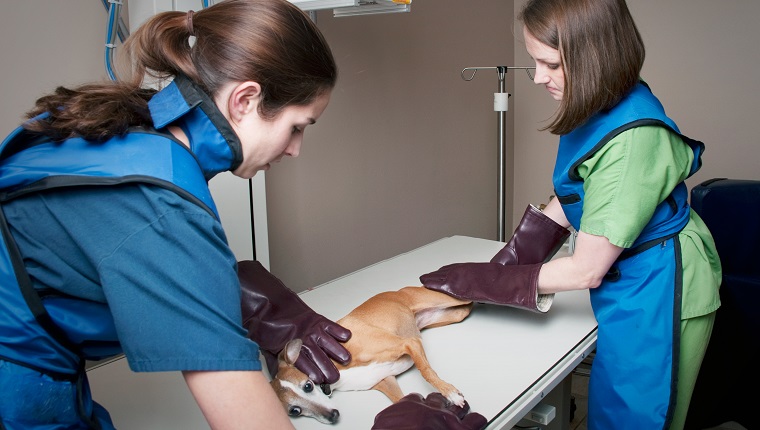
column 244, row 99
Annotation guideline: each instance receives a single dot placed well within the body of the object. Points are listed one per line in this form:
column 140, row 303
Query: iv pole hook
column 499, row 69
column 468, row 69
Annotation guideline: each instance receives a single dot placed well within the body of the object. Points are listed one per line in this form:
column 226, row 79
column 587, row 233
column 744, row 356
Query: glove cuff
column 544, row 302
column 535, row 240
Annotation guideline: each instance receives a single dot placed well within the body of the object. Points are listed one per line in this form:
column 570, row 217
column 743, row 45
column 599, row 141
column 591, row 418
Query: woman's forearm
column 237, row 400
column 584, row 269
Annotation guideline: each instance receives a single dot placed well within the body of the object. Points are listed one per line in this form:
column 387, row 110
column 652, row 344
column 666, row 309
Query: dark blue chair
column 729, row 378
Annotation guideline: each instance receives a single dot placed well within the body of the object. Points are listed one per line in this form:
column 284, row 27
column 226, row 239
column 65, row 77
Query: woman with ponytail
column 111, row 240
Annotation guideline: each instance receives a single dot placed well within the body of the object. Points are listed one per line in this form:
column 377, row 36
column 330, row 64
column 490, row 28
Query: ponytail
column 271, row 42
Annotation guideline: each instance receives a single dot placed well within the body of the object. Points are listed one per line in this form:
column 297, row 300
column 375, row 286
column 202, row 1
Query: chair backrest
column 731, row 210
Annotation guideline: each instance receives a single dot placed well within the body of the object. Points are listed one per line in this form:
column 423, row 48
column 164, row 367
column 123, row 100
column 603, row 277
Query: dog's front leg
column 389, row 387
column 414, row 348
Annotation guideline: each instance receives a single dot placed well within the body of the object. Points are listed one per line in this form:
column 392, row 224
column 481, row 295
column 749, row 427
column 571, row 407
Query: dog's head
column 299, row 395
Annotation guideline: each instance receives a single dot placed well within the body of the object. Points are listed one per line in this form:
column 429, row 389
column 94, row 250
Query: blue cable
column 111, row 31
column 123, row 31
column 116, row 28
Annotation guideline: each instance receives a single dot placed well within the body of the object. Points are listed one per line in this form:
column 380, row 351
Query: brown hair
column 601, row 52
column 271, row 42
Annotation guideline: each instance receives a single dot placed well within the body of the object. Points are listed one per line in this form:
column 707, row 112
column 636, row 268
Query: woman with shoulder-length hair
column 647, row 259
column 112, row 242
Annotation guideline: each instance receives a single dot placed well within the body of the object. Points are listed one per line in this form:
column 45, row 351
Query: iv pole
column 500, row 106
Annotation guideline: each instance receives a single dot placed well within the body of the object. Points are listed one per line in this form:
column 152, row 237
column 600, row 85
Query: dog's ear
column 290, row 353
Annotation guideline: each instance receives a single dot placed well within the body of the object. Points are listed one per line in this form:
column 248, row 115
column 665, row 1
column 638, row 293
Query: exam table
column 504, row 360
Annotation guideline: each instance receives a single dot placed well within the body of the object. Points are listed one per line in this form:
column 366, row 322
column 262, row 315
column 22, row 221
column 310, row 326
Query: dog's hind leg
column 433, row 308
column 389, row 387
column 438, row 317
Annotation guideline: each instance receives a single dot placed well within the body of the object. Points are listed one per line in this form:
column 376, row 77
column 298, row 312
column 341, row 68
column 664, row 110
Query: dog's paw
column 451, row 393
column 456, row 398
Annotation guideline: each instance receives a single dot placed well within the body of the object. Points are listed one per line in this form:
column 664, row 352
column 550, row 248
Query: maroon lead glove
column 535, row 240
column 413, row 412
column 492, row 283
column 273, row 315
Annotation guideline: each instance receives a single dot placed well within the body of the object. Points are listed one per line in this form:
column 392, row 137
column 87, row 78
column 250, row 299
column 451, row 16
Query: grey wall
column 406, row 152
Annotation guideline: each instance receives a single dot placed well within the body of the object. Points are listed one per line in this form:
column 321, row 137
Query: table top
column 504, row 360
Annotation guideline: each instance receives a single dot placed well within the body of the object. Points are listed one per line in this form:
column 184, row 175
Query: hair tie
column 190, row 22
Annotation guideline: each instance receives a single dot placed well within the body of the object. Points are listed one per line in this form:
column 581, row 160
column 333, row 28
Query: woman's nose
column 294, row 148
column 540, row 76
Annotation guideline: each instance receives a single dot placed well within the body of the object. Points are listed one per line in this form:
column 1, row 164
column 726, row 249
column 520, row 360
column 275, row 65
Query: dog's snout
column 333, row 417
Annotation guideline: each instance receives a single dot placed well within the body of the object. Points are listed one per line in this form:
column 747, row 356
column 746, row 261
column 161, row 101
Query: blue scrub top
column 160, row 262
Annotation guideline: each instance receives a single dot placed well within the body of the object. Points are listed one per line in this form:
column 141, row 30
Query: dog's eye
column 308, row 387
column 294, row 411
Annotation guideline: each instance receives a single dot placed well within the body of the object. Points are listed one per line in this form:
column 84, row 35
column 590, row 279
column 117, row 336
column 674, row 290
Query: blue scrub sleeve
column 175, row 297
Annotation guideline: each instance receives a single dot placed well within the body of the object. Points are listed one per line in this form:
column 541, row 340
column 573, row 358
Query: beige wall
column 702, row 61
column 406, row 152
column 47, row 44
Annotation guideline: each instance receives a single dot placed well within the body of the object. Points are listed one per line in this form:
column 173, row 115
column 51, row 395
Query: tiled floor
column 580, row 393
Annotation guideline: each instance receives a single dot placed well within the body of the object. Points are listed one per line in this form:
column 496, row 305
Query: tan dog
column 385, row 342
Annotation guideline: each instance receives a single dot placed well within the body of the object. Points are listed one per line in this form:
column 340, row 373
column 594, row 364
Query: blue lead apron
column 638, row 305
column 44, row 342
column 44, row 345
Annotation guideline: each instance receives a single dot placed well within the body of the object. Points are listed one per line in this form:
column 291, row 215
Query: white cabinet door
column 242, row 209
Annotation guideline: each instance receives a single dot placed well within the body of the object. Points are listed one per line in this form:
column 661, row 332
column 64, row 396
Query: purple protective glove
column 274, row 315
column 413, row 412
column 493, row 283
column 535, row 240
